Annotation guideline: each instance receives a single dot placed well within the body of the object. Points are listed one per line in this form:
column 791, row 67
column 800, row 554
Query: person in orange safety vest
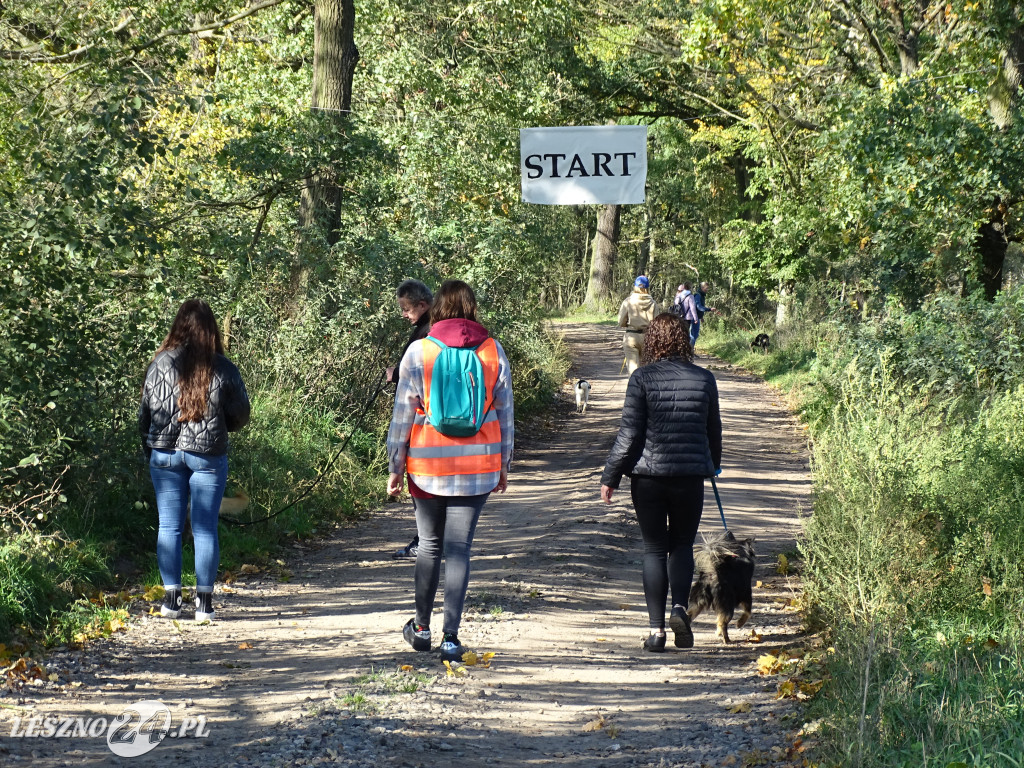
column 449, row 478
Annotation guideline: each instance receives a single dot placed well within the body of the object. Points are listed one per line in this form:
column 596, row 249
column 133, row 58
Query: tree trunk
column 992, row 245
column 782, row 308
column 602, row 264
column 751, row 206
column 1003, row 105
column 334, row 62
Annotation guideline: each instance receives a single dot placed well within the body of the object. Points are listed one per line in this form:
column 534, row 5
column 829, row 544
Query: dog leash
column 718, row 498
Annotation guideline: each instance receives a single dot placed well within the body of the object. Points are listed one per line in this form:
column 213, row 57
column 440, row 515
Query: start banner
column 577, row 166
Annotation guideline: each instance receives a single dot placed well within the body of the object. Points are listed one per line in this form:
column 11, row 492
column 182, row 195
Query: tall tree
column 335, row 56
column 605, row 251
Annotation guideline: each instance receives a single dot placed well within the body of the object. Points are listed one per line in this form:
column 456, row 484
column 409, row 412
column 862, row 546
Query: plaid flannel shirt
column 407, row 411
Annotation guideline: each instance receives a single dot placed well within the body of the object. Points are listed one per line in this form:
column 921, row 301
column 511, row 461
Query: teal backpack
column 457, row 391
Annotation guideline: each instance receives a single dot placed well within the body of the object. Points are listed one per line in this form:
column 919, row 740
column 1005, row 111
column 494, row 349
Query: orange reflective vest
column 435, row 455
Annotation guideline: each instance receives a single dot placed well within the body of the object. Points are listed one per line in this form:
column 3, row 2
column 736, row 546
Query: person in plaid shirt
column 449, row 478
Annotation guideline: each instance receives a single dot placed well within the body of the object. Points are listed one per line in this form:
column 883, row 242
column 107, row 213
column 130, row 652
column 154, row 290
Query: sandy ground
column 555, row 594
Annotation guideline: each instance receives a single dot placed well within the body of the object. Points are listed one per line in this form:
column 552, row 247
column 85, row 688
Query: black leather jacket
column 227, row 408
column 671, row 425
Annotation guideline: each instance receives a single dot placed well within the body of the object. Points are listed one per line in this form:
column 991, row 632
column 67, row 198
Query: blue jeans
column 694, row 333
column 177, row 476
column 445, row 523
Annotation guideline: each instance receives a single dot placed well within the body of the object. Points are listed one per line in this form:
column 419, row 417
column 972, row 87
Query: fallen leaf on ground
column 455, row 671
column 787, row 690
column 743, row 706
column 406, row 668
column 153, row 593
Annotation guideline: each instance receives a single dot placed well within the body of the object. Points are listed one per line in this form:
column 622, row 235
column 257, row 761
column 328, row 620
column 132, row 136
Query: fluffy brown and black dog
column 725, row 571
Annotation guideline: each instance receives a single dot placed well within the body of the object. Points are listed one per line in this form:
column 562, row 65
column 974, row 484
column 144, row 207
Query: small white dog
column 582, row 395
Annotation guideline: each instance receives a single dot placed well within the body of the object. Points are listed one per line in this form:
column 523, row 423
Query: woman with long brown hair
column 193, row 396
column 670, row 439
column 450, row 476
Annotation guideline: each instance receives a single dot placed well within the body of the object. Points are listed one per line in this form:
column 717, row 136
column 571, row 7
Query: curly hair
column 666, row 336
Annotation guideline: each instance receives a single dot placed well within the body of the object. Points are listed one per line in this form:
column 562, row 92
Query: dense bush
column 913, row 564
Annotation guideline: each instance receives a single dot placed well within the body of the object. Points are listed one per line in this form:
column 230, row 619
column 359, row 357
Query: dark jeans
column 178, row 477
column 694, row 333
column 446, row 525
column 668, row 510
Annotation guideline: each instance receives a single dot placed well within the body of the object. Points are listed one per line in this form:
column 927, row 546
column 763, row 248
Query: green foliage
column 946, row 693
column 40, row 576
column 912, row 555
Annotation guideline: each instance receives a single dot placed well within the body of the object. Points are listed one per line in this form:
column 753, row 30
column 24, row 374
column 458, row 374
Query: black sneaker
column 680, row 624
column 171, row 609
column 416, row 635
column 451, row 648
column 411, row 550
column 655, row 643
column 204, row 607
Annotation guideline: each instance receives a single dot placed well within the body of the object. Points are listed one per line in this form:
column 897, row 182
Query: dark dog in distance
column 761, row 342
column 582, row 395
column 724, row 568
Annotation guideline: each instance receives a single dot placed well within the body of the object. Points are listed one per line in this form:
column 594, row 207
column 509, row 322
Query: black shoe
column 204, row 607
column 451, row 648
column 171, row 609
column 655, row 643
column 416, row 635
column 411, row 550
column 680, row 624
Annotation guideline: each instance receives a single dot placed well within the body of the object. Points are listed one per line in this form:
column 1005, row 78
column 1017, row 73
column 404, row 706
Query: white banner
column 577, row 166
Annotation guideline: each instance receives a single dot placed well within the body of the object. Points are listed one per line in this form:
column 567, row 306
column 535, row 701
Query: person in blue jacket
column 699, row 299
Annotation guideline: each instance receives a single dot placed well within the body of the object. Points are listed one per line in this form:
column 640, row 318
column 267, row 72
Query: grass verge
column 912, row 555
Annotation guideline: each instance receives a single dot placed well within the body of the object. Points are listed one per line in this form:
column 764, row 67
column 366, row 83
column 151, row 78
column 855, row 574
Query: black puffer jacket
column 671, row 426
column 227, row 408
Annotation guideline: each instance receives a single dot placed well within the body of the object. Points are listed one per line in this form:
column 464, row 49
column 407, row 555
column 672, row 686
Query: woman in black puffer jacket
column 192, row 398
column 669, row 440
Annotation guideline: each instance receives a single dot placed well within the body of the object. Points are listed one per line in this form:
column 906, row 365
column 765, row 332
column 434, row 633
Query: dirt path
column 308, row 672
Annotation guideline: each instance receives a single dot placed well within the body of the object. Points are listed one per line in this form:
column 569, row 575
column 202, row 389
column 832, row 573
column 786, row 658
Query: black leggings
column 668, row 510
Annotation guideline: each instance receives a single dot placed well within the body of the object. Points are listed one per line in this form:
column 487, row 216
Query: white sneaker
column 204, row 607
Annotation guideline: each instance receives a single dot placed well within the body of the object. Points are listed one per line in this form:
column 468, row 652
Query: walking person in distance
column 450, row 476
column 669, row 440
column 414, row 299
column 193, row 396
column 700, row 296
column 635, row 314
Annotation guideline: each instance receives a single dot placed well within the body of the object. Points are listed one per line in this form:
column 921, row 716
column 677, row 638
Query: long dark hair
column 454, row 299
column 666, row 336
column 195, row 332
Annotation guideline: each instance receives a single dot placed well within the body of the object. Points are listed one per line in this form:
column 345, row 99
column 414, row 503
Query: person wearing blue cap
column 635, row 314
